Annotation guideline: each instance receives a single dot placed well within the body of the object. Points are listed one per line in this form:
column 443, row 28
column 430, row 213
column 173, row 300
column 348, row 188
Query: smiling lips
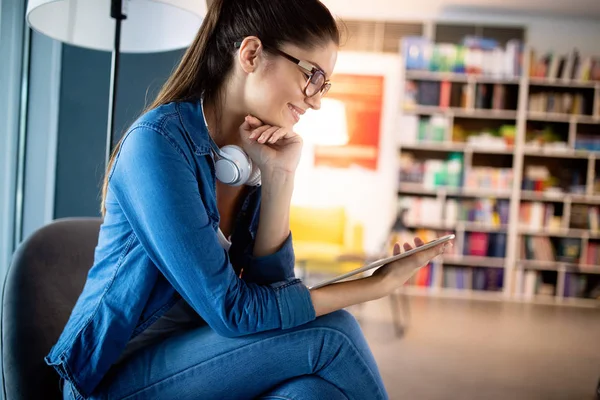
column 296, row 112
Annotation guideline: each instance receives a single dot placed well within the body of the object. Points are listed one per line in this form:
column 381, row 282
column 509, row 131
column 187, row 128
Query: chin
column 280, row 122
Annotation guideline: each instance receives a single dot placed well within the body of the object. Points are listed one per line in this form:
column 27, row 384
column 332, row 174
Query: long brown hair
column 209, row 59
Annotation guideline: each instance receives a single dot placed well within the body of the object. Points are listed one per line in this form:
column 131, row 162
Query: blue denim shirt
column 158, row 243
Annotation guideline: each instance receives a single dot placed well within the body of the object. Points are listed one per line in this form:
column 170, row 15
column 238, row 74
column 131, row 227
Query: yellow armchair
column 325, row 238
column 327, row 242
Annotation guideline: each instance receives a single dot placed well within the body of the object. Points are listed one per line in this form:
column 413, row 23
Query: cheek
column 269, row 96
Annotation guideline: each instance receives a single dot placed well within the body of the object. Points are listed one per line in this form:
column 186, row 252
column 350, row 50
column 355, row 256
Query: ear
column 249, row 53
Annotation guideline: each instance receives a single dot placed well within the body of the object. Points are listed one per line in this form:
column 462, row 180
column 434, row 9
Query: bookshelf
column 505, row 158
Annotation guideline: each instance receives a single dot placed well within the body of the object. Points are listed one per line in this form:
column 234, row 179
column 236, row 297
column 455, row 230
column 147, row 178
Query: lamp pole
column 118, row 14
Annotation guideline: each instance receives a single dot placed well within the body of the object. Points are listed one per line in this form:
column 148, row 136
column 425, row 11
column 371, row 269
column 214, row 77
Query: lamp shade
column 151, row 25
column 325, row 127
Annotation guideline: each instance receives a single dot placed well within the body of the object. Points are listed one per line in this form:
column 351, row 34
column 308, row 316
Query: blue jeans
column 327, row 358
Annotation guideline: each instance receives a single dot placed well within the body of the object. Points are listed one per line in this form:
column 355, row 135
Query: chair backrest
column 45, row 278
column 318, row 224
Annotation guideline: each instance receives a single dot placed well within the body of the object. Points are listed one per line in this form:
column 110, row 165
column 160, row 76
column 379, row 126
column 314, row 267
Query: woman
column 192, row 294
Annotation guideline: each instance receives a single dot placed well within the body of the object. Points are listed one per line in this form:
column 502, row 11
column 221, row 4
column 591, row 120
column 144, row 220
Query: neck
column 224, row 116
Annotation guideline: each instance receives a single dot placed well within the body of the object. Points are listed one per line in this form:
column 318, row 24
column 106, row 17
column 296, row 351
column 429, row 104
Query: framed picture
column 362, row 96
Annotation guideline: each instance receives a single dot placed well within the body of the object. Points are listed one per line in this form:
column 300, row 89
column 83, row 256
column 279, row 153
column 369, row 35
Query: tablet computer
column 384, row 261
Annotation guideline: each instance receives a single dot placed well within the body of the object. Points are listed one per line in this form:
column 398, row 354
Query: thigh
column 309, row 387
column 200, row 364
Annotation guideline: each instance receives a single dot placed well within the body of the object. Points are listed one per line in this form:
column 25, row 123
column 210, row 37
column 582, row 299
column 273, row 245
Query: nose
column 314, row 102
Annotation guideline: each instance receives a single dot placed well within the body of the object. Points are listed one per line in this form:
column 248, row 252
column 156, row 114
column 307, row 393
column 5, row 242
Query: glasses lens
column 325, row 89
column 315, row 83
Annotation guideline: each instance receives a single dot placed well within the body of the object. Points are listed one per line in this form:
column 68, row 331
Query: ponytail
column 209, row 59
column 191, row 78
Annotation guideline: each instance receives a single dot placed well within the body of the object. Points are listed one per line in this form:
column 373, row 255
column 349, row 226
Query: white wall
column 11, row 36
column 368, row 196
column 42, row 132
column 545, row 32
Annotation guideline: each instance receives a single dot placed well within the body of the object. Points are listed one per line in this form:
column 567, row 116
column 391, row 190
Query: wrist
column 276, row 180
column 381, row 286
column 384, row 283
column 271, row 173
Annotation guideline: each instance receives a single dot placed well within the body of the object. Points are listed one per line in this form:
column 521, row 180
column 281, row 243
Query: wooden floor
column 467, row 349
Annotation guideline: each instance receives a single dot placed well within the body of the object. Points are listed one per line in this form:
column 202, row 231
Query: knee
column 342, row 321
column 307, row 387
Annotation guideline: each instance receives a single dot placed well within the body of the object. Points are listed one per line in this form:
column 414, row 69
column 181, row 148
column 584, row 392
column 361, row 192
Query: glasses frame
column 309, row 69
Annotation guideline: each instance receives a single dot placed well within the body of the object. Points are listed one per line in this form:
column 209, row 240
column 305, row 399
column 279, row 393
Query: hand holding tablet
column 399, row 267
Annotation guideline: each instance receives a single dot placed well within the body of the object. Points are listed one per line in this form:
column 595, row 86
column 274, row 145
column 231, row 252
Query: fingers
column 278, row 134
column 268, row 134
column 252, row 122
column 396, row 248
column 264, row 133
column 418, row 243
column 425, row 256
column 258, row 132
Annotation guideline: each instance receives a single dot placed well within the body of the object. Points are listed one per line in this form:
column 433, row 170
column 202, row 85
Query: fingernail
column 272, row 140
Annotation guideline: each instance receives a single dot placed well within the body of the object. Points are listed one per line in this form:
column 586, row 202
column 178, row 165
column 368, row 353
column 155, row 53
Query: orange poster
column 362, row 96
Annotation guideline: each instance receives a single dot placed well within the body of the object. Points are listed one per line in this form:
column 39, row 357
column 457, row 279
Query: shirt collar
column 192, row 119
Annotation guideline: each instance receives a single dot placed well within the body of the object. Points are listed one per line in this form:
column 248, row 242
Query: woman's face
column 275, row 91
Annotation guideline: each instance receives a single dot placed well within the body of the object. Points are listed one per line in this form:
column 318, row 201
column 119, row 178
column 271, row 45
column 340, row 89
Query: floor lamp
column 120, row 26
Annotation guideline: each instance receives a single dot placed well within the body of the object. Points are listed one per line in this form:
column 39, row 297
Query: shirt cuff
column 294, row 303
column 275, row 267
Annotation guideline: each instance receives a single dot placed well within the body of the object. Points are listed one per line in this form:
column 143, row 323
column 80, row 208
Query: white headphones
column 233, row 166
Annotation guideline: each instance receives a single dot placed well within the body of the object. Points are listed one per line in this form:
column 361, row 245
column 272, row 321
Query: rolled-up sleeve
column 288, row 292
column 275, row 267
column 157, row 188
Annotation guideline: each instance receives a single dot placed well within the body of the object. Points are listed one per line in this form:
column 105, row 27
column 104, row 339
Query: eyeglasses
column 315, row 82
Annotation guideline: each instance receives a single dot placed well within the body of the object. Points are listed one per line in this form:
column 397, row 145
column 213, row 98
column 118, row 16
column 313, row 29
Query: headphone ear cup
column 226, row 171
column 238, row 168
column 254, row 179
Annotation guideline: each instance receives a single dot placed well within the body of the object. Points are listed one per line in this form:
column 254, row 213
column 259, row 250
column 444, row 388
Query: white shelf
column 554, row 197
column 479, row 227
column 583, row 269
column 559, row 117
column 528, row 195
column 431, row 226
column 584, row 199
column 418, row 189
column 560, row 83
column 584, row 233
column 452, row 293
column 459, row 77
column 472, row 261
column 558, row 266
column 462, row 112
column 566, row 153
column 461, row 147
column 568, row 233
column 459, row 225
column 482, row 295
column 540, row 265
